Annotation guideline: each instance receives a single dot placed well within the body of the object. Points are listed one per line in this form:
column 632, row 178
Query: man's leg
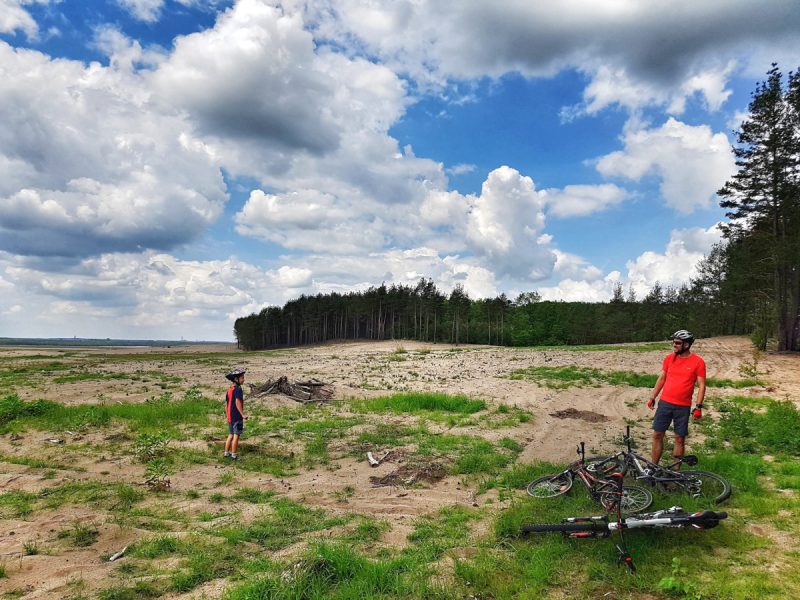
column 658, row 446
column 677, row 451
column 228, row 444
column 235, row 445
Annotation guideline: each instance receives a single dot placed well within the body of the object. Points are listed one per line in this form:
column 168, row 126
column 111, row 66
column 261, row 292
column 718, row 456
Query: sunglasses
column 678, row 343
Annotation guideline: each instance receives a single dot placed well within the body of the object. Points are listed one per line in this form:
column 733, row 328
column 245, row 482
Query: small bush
column 149, row 446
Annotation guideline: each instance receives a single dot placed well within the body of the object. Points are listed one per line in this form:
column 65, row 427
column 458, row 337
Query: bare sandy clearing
column 560, row 419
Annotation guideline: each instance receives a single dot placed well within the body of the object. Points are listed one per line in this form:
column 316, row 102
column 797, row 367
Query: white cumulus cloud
column 692, row 162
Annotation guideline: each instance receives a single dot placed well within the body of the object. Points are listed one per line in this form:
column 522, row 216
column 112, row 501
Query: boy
column 234, row 411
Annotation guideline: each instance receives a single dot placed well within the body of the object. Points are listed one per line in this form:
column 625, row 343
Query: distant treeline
column 426, row 314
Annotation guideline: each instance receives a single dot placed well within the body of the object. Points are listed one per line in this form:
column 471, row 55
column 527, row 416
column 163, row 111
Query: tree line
column 424, row 313
column 748, row 284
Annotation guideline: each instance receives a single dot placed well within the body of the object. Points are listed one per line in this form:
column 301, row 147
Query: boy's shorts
column 236, row 427
column 667, row 413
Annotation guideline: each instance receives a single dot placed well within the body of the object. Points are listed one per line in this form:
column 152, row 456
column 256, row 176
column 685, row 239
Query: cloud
column 147, row 11
column 505, row 223
column 460, row 169
column 73, row 184
column 501, row 227
column 691, row 161
column 582, row 200
column 254, row 77
column 677, row 264
column 619, row 46
column 13, row 17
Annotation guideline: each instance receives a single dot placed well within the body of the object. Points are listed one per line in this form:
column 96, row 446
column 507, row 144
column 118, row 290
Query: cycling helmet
column 235, row 373
column 683, row 335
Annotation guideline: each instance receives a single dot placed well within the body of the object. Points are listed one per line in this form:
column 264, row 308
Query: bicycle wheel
column 566, row 528
column 603, row 465
column 705, row 486
column 550, row 486
column 634, row 499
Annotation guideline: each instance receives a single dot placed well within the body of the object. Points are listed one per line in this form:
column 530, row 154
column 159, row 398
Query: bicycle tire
column 550, row 486
column 565, row 528
column 718, row 488
column 634, row 499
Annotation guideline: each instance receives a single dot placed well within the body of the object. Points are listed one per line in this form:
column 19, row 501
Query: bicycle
column 698, row 484
column 592, row 527
column 632, row 498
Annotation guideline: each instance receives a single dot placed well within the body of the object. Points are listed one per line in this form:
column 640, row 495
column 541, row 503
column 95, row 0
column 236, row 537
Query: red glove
column 651, row 403
column 697, row 412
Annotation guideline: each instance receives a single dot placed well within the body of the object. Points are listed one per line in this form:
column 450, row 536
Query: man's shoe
column 226, row 455
column 234, row 456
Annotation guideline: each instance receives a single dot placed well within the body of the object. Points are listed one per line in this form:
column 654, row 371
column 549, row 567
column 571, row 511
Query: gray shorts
column 236, row 428
column 667, row 413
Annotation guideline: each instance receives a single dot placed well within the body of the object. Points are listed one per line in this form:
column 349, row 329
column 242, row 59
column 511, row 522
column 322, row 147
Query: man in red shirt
column 679, row 372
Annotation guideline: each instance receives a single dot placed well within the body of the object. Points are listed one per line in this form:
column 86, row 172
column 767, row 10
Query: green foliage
column 676, row 583
column 772, row 431
column 287, row 521
column 449, row 528
column 80, row 535
column 568, row 376
column 157, row 474
column 193, row 394
column 415, row 403
column 424, row 313
column 149, row 446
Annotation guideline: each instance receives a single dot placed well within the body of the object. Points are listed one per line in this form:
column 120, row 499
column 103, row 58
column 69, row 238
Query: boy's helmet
column 683, row 335
column 235, row 373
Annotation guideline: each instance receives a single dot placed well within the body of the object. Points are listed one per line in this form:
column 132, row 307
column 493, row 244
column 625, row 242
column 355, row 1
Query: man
column 679, row 372
column 234, row 412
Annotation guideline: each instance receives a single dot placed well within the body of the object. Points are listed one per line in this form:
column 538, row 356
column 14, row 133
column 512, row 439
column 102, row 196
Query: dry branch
column 312, row 390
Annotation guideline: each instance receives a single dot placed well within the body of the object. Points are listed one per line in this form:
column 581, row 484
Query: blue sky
column 169, row 165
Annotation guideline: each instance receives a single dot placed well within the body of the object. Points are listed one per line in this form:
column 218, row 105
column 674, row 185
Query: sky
column 167, row 166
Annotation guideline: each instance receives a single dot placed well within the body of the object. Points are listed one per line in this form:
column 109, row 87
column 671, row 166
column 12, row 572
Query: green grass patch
column 416, row 403
column 570, row 376
column 771, row 431
column 286, row 523
column 160, row 413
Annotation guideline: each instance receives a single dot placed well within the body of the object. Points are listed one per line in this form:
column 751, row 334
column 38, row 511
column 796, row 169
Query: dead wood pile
column 312, row 390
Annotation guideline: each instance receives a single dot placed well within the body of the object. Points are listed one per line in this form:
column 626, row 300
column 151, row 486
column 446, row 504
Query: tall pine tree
column 763, row 202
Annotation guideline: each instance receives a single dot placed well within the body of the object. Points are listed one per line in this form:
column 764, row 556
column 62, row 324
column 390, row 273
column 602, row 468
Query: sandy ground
column 561, row 418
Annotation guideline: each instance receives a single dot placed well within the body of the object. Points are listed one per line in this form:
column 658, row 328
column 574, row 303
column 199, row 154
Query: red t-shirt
column 682, row 373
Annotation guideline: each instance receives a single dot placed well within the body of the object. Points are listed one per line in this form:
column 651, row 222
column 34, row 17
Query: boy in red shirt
column 679, row 372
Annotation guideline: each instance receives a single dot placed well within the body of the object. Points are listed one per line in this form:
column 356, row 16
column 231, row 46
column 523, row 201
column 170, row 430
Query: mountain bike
column 601, row 526
column 601, row 485
column 701, row 485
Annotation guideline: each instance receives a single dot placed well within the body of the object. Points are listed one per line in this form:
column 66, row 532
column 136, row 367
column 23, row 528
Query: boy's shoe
column 234, row 456
column 226, row 455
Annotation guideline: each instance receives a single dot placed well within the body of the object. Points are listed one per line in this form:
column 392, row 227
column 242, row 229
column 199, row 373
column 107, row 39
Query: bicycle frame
column 594, row 485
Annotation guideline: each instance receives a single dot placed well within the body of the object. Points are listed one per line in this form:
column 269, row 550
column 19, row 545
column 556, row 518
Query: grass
column 417, row 403
column 774, row 430
column 80, row 535
column 570, row 376
column 162, row 413
column 118, row 496
column 284, row 525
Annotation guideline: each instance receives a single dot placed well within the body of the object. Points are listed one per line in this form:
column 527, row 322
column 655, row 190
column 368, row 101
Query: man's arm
column 657, row 390
column 701, row 391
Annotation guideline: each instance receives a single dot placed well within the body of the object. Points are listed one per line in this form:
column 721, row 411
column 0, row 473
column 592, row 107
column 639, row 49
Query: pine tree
column 763, row 201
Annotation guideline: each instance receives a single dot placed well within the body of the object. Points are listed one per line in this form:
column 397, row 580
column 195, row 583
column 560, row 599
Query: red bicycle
column 601, row 487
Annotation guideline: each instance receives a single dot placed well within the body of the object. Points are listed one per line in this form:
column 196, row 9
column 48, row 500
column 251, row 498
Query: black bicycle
column 599, row 483
column 601, row 526
column 701, row 485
